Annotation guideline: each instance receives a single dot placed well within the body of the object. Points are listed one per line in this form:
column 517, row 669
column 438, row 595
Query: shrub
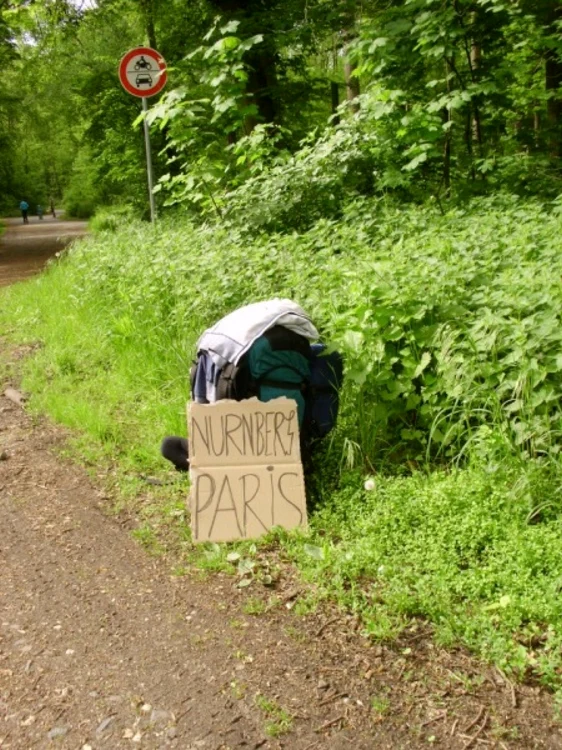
column 111, row 218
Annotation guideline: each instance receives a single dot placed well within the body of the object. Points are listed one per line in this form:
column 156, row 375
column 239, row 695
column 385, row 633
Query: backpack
column 319, row 386
column 323, row 399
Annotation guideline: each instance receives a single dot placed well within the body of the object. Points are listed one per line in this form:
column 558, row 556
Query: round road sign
column 142, row 72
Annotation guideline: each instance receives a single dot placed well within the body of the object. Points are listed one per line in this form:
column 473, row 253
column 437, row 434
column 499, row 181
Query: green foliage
column 287, row 192
column 474, row 72
column 445, row 325
column 62, row 106
column 195, row 118
column 291, row 192
column 454, row 548
column 111, row 219
column 81, row 195
column 279, row 721
column 450, row 328
column 457, row 99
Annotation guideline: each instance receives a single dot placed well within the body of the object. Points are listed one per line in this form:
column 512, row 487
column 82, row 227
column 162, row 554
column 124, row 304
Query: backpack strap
column 234, row 382
column 283, row 384
column 300, row 385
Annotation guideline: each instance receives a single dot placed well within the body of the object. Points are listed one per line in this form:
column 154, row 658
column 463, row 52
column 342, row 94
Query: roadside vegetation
column 419, row 223
column 439, row 494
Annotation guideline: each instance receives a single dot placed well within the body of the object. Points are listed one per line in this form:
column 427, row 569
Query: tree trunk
column 446, row 115
column 335, row 95
column 352, row 88
column 553, row 78
column 536, row 128
column 262, row 81
column 261, row 60
column 351, row 85
column 475, row 56
column 553, row 82
column 148, row 12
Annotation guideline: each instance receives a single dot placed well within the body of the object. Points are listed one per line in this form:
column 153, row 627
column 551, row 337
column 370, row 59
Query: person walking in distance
column 40, row 211
column 24, row 208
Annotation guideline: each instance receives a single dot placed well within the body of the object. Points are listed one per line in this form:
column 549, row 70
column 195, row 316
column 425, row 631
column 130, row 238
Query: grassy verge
column 439, row 495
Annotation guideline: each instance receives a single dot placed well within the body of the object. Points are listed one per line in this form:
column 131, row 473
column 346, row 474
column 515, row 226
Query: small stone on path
column 57, row 732
column 104, row 724
column 158, row 716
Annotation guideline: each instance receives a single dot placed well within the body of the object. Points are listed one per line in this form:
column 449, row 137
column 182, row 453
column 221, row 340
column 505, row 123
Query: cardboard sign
column 245, row 468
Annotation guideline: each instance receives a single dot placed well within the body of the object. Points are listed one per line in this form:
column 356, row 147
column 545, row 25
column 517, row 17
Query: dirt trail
column 101, row 647
column 26, row 248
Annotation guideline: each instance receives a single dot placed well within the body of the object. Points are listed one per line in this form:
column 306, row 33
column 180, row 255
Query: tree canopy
column 409, row 97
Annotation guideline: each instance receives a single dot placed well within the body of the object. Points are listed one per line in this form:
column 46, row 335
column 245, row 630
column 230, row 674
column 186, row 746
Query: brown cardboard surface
column 245, row 469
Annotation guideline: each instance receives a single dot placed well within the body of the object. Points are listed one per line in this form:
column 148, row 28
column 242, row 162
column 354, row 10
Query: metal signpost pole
column 148, row 160
column 142, row 72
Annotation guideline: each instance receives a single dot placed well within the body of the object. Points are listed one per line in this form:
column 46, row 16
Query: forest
column 404, row 99
column 394, row 167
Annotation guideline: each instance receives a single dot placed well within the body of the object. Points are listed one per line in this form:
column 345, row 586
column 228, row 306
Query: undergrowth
column 450, row 327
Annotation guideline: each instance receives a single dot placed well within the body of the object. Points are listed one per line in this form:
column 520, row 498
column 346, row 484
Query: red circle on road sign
column 142, row 72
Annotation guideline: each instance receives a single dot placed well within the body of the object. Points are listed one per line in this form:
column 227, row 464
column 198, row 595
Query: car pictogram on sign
column 143, row 79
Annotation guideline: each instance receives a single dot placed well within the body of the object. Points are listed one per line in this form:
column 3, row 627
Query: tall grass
column 450, row 327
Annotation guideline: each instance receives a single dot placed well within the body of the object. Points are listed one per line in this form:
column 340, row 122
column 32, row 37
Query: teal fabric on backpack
column 284, row 366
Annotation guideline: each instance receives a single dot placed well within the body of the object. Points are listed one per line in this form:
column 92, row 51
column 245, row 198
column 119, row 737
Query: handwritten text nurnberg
column 271, row 433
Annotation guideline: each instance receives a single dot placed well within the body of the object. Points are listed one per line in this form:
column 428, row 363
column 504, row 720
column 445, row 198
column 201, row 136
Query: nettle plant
column 448, row 324
column 357, row 157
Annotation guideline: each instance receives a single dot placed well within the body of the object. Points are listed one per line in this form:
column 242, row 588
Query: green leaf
column 425, row 360
column 245, row 566
column 380, row 41
column 353, row 340
column 230, row 27
column 415, row 162
column 316, row 552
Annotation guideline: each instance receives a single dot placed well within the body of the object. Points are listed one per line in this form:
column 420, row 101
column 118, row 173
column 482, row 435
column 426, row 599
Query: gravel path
column 26, row 248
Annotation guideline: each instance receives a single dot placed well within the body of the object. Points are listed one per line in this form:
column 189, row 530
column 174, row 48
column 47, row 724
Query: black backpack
column 323, row 397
